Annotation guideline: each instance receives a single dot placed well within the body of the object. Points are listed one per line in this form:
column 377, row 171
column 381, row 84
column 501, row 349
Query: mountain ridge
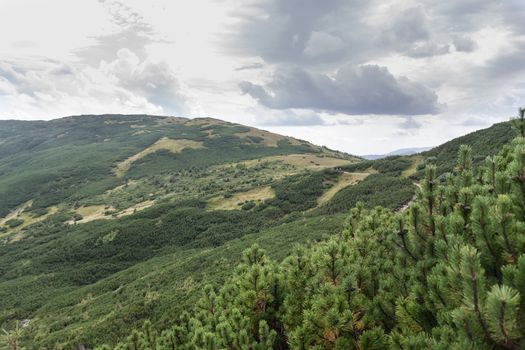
column 397, row 152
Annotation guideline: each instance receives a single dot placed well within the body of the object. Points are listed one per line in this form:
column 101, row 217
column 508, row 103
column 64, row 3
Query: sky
column 361, row 76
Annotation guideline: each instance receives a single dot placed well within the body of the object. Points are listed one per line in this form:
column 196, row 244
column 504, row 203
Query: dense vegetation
column 85, row 254
column 449, row 273
column 71, row 159
column 62, row 267
column 385, row 190
column 484, row 143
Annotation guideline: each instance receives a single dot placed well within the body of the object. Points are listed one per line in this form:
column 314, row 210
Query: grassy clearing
column 411, row 170
column 172, row 121
column 27, row 219
column 234, row 202
column 16, row 213
column 107, row 212
column 303, row 161
column 135, row 208
column 267, row 138
column 174, row 146
column 91, row 213
column 206, row 122
column 344, row 180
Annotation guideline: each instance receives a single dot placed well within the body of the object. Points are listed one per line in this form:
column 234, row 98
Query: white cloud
column 124, row 85
column 63, row 57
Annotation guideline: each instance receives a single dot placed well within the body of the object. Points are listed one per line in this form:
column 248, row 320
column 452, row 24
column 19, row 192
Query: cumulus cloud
column 398, row 57
column 409, row 32
column 285, row 31
column 113, row 74
column 335, row 31
column 367, row 89
column 125, row 84
column 154, row 81
column 322, row 45
column 131, row 32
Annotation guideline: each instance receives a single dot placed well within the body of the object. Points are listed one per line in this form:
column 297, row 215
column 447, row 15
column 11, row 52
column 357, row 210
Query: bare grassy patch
column 27, row 219
column 304, row 161
column 206, row 122
column 171, row 120
column 234, row 202
column 344, row 180
column 268, row 139
column 411, row 170
column 174, row 146
column 92, row 212
column 135, row 208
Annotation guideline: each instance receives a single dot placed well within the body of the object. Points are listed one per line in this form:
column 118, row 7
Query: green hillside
column 449, row 273
column 111, row 220
column 484, row 143
column 73, row 159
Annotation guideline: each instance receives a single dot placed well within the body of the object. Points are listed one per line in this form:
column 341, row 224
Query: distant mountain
column 398, row 152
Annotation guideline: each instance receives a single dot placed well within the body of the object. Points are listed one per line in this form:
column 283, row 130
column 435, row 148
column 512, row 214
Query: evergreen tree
column 449, row 273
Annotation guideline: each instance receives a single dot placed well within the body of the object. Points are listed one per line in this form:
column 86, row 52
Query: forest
column 94, row 254
column 447, row 273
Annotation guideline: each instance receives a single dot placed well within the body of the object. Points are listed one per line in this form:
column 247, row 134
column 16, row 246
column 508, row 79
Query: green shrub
column 248, row 205
column 14, row 222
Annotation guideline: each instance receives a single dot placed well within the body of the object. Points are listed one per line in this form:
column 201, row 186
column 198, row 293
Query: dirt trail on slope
column 412, row 200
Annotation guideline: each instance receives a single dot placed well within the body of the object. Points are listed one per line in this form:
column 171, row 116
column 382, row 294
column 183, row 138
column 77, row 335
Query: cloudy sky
column 362, row 76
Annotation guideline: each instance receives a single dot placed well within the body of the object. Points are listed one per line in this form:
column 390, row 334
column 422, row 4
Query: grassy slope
column 484, row 143
column 68, row 174
column 160, row 287
column 97, row 278
column 74, row 158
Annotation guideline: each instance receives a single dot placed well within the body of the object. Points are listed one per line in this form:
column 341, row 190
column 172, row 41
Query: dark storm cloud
column 320, row 36
column 368, row 89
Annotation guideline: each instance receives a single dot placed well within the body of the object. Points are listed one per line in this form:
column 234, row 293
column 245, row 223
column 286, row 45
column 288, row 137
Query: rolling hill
column 110, row 220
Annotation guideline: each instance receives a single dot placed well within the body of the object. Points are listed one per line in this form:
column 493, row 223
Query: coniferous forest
column 262, row 175
column 447, row 273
